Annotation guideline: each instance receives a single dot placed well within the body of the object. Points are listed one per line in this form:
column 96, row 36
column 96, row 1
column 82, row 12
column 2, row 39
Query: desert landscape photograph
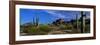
column 51, row 22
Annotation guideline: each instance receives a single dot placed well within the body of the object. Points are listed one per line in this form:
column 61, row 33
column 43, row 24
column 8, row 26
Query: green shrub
column 44, row 28
column 87, row 28
column 32, row 30
column 64, row 27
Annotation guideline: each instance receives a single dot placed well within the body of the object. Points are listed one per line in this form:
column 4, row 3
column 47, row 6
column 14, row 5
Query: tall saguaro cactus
column 82, row 22
column 33, row 22
column 76, row 21
column 37, row 21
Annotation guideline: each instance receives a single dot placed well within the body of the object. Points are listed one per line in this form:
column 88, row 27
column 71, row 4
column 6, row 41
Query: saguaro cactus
column 33, row 22
column 82, row 22
column 37, row 21
column 76, row 21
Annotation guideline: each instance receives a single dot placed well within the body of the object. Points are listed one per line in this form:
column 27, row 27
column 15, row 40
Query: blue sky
column 48, row 16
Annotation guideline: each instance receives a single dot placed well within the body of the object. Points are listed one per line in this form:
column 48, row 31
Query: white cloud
column 55, row 14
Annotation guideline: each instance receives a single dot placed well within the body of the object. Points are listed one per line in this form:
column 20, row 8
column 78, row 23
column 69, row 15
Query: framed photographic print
column 38, row 22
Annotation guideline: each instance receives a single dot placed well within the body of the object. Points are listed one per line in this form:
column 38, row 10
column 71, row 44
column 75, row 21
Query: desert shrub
column 87, row 28
column 32, row 30
column 21, row 29
column 35, row 31
column 44, row 28
column 25, row 30
column 64, row 27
